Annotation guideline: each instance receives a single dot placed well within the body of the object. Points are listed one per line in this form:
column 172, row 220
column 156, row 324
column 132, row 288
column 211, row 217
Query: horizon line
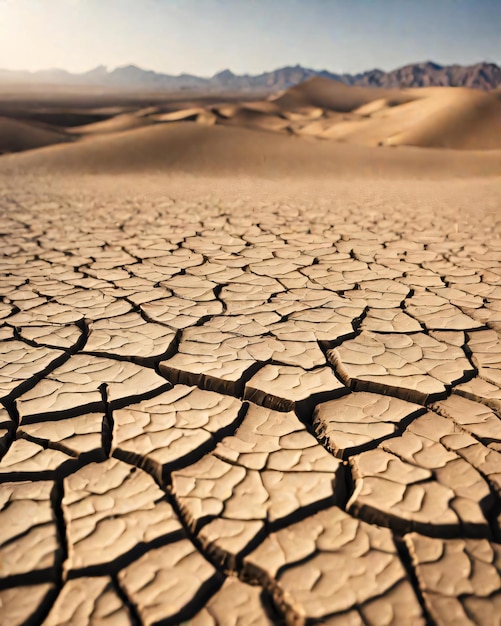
column 110, row 68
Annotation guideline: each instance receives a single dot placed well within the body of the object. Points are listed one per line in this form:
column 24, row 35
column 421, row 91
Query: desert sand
column 251, row 359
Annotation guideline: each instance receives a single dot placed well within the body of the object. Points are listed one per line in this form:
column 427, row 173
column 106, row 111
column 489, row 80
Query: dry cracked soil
column 249, row 411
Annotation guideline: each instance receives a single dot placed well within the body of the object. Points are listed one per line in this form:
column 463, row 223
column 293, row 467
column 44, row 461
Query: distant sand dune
column 263, row 106
column 304, row 114
column 321, row 128
column 330, row 94
column 226, row 110
column 221, row 150
column 125, row 121
column 249, row 118
column 466, row 120
column 375, row 106
column 439, row 117
column 16, row 136
column 176, row 116
column 374, row 127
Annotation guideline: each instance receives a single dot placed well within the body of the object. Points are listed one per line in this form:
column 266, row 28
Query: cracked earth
column 248, row 413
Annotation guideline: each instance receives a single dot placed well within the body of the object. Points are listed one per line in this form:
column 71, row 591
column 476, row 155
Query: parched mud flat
column 249, row 412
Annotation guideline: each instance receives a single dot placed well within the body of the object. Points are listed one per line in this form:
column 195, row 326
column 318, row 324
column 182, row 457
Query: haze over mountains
column 485, row 76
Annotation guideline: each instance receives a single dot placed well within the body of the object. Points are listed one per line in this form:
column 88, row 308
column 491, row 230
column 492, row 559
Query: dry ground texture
column 271, row 398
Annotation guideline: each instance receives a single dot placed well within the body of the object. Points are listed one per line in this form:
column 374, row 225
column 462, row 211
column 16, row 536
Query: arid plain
column 251, row 358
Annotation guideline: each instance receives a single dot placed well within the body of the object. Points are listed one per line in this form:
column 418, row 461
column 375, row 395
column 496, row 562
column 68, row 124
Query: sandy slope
column 16, row 135
column 320, row 129
column 218, row 150
column 251, row 118
column 330, row 94
column 432, row 117
column 461, row 118
column 118, row 123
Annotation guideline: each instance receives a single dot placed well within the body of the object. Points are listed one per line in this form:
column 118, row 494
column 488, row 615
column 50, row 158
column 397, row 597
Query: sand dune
column 464, row 119
column 375, row 106
column 227, row 151
column 336, row 131
column 16, row 136
column 251, row 118
column 226, row 110
column 435, row 117
column 335, row 96
column 119, row 123
column 302, row 114
column 176, row 116
column 263, row 106
column 373, row 123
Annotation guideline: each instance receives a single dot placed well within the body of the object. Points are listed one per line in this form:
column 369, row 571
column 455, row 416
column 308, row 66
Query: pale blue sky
column 206, row 36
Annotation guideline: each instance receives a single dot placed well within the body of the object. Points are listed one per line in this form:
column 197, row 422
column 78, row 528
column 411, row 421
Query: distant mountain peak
column 224, row 74
column 130, row 66
column 483, row 75
column 99, row 70
column 430, row 65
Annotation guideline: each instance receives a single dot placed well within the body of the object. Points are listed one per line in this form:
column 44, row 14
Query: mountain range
column 485, row 76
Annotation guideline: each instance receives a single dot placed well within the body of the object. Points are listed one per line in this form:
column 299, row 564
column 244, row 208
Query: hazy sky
column 206, row 36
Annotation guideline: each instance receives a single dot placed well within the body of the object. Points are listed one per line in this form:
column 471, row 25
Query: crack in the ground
column 401, row 525
column 135, row 619
column 407, row 561
column 108, row 422
column 347, row 453
column 124, row 560
column 163, row 477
